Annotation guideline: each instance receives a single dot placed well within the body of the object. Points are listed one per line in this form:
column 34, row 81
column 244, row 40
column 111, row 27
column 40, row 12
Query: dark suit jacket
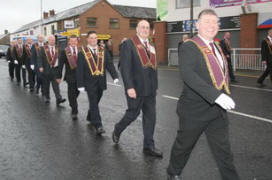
column 143, row 80
column 85, row 78
column 19, row 59
column 42, row 62
column 34, row 57
column 266, row 54
column 9, row 55
column 197, row 101
column 70, row 74
column 27, row 59
column 224, row 48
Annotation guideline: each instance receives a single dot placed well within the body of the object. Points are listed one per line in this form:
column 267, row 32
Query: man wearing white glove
column 93, row 61
column 10, row 59
column 203, row 104
column 19, row 59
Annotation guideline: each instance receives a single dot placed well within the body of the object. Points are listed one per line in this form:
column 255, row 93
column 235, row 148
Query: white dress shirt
column 220, row 59
column 143, row 42
column 93, row 48
column 72, row 49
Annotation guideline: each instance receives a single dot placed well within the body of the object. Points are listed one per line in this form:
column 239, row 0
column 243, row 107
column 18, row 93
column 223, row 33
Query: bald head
column 51, row 40
column 143, row 29
column 29, row 40
column 40, row 38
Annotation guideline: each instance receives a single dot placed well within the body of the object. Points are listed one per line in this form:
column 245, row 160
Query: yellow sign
column 71, row 32
column 103, row 36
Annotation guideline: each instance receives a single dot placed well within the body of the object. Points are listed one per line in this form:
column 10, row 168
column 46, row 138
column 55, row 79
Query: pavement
column 41, row 142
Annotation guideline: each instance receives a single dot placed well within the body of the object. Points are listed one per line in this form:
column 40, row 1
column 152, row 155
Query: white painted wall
column 184, row 14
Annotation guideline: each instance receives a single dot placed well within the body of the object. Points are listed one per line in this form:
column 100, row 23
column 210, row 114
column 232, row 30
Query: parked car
column 3, row 50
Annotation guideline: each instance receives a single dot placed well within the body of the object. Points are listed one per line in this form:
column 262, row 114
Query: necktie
column 74, row 51
column 213, row 50
column 146, row 44
column 146, row 49
column 52, row 52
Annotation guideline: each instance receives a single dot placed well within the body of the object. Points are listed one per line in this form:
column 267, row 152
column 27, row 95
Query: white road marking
column 252, row 88
column 112, row 84
column 233, row 112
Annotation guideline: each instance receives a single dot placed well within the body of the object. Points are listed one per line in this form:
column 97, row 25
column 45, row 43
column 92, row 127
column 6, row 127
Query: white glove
column 8, row 61
column 32, row 66
column 225, row 102
column 115, row 81
column 82, row 89
column 16, row 62
column 23, row 66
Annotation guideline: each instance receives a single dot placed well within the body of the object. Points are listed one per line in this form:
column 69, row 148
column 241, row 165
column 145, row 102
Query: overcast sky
column 15, row 13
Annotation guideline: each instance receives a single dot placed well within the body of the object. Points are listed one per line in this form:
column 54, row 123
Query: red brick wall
column 103, row 12
column 161, row 41
column 248, row 33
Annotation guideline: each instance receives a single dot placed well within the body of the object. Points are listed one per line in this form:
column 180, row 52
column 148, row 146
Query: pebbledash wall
column 243, row 27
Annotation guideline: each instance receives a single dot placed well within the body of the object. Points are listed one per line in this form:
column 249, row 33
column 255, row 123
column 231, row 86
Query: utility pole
column 192, row 18
column 41, row 17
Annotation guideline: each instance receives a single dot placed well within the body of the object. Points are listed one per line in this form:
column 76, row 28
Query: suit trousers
column 72, row 96
column 50, row 78
column 217, row 133
column 94, row 96
column 146, row 104
column 18, row 68
column 268, row 71
column 11, row 70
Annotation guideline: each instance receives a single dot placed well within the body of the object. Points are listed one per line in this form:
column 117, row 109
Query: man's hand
column 41, row 69
column 225, row 102
column 16, row 62
column 264, row 62
column 23, row 66
column 116, row 81
column 58, row 81
column 82, row 89
column 32, row 66
column 132, row 93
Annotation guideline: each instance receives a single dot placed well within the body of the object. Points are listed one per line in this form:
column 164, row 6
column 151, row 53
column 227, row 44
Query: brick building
column 109, row 21
column 242, row 18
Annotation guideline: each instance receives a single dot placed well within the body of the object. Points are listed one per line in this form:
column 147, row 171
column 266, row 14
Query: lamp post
column 41, row 17
column 192, row 17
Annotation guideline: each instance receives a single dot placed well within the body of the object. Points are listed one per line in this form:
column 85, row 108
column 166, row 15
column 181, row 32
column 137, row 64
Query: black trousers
column 268, row 71
column 30, row 76
column 39, row 81
column 231, row 73
column 18, row 68
column 94, row 96
column 50, row 78
column 217, row 133
column 146, row 104
column 72, row 96
column 11, row 67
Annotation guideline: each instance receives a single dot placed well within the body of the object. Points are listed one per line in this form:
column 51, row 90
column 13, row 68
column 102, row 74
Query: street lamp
column 41, row 16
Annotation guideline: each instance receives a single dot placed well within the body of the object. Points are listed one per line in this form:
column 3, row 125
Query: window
column 77, row 23
column 133, row 23
column 52, row 29
column 186, row 3
column 91, row 22
column 114, row 23
column 45, row 31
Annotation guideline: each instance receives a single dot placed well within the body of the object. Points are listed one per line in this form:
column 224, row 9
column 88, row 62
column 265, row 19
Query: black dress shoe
column 100, row 130
column 173, row 177
column 115, row 137
column 153, row 152
column 234, row 81
column 261, row 85
column 59, row 101
column 47, row 100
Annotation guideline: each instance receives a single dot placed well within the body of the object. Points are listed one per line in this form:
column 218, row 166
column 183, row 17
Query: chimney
column 52, row 12
column 45, row 15
column 6, row 31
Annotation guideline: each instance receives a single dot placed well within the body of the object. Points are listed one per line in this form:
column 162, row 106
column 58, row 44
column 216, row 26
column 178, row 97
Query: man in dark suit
column 19, row 59
column 138, row 67
column 184, row 38
column 93, row 61
column 10, row 59
column 204, row 101
column 35, row 51
column 48, row 64
column 27, row 63
column 266, row 51
column 69, row 58
column 226, row 47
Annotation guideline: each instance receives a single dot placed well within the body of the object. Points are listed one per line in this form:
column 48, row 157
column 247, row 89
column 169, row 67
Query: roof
column 136, row 12
column 71, row 12
column 125, row 11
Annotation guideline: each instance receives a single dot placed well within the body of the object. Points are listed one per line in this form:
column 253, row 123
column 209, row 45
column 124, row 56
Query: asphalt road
column 41, row 142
